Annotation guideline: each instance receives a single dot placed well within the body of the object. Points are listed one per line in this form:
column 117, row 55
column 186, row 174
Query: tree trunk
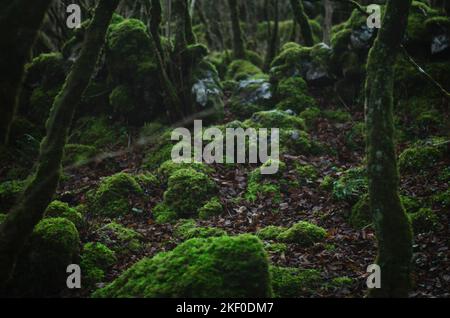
column 302, row 20
column 22, row 219
column 238, row 42
column 20, row 21
column 392, row 226
column 328, row 21
column 273, row 42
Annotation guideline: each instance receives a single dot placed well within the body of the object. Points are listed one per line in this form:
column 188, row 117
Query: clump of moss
column 356, row 137
column 162, row 213
column 421, row 155
column 276, row 119
column 188, row 229
column 341, row 282
column 96, row 259
column 292, row 94
column 58, row 209
column 271, row 186
column 303, row 233
column 169, row 167
column 188, row 190
column 241, row 69
column 310, row 115
column 121, row 240
column 2, row 217
column 221, row 267
column 443, row 198
column 276, row 248
column 212, row 208
column 424, row 220
column 78, row 155
column 351, row 185
column 41, row 267
column 10, row 192
column 307, row 173
column 338, row 116
column 112, row 198
column 327, row 183
column 270, row 232
column 360, row 216
column 288, row 282
column 98, row 132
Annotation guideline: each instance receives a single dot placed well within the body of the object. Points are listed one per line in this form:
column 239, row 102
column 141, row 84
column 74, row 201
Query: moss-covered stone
column 41, row 267
column 310, row 115
column 112, row 198
column 220, row 267
column 78, row 155
column 275, row 248
column 241, row 69
column 268, row 186
column 123, row 241
column 188, row 229
column 424, row 220
column 270, row 232
column 211, row 209
column 288, row 282
column 168, row 168
column 58, row 209
column 10, row 192
column 96, row 259
column 292, row 94
column 303, row 233
column 98, row 132
column 421, row 155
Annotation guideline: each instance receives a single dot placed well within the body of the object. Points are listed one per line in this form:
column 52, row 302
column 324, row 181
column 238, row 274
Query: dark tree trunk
column 238, row 42
column 302, row 20
column 22, row 219
column 274, row 41
column 392, row 226
column 20, row 21
column 328, row 21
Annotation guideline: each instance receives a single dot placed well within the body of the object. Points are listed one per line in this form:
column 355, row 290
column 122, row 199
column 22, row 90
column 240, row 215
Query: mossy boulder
column 303, row 233
column 267, row 185
column 270, row 233
column 10, row 192
column 241, row 69
column 41, row 267
column 292, row 94
column 96, row 259
column 288, row 282
column 221, row 267
column 120, row 239
column 310, row 115
column 188, row 190
column 424, row 220
column 58, row 209
column 188, row 229
column 112, row 197
column 211, row 209
column 168, row 168
column 422, row 155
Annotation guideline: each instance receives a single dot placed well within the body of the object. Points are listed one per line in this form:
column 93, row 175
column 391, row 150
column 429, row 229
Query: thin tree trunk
column 273, row 42
column 204, row 21
column 302, row 20
column 22, row 219
column 392, row 226
column 328, row 21
column 20, row 21
column 238, row 42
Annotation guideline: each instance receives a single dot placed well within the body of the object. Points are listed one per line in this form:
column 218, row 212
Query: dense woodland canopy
column 86, row 175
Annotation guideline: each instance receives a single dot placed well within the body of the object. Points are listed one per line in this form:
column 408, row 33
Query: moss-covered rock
column 303, row 233
column 78, row 155
column 292, row 94
column 288, row 282
column 424, row 220
column 241, row 69
column 112, row 198
column 58, row 209
column 96, row 259
column 270, row 233
column 220, row 267
column 211, row 209
column 41, row 266
column 123, row 241
column 188, row 229
column 168, row 168
column 310, row 115
column 188, row 191
column 10, row 192
column 421, row 155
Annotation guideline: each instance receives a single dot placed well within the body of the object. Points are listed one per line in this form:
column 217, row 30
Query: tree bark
column 328, row 21
column 302, row 20
column 393, row 229
column 238, row 42
column 22, row 219
column 20, row 21
column 273, row 42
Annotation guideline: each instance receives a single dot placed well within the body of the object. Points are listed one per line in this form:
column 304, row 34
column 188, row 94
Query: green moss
column 98, row 132
column 292, row 94
column 222, row 267
column 307, row 173
column 276, row 119
column 158, row 155
column 162, row 213
column 188, row 191
column 443, row 198
column 41, row 267
column 356, row 137
column 2, row 217
column 270, row 232
column 424, row 220
column 241, row 70
column 113, row 195
column 421, row 155
column 351, row 185
column 360, row 216
column 288, row 282
column 267, row 186
column 147, row 181
column 96, row 259
column 123, row 241
column 58, row 209
column 303, row 233
column 78, row 155
column 310, row 115
column 276, row 248
column 327, row 183
column 168, row 168
column 10, row 192
column 121, row 101
column 212, row 208
column 342, row 282
column 338, row 116
column 188, row 229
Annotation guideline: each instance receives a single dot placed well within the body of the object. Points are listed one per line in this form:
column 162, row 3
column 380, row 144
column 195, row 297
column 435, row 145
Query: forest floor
column 346, row 251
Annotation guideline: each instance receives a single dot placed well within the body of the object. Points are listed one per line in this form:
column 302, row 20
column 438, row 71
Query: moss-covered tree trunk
column 238, row 41
column 22, row 219
column 19, row 23
column 392, row 226
column 273, row 42
column 303, row 22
